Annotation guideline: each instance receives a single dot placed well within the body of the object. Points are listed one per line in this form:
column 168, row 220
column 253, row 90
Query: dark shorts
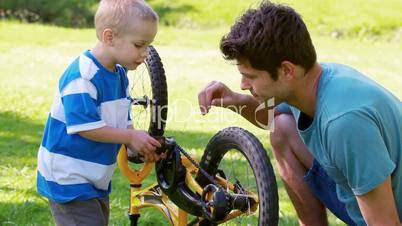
column 93, row 212
column 324, row 189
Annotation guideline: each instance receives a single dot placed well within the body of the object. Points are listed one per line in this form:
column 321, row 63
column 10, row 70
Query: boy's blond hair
column 117, row 14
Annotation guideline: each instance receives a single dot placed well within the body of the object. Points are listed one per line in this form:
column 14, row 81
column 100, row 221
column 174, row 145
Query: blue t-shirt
column 89, row 96
column 356, row 134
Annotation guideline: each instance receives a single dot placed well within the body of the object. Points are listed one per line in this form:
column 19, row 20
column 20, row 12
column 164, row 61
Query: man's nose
column 244, row 85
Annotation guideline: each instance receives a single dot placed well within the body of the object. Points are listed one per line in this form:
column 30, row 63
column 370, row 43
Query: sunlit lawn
column 32, row 57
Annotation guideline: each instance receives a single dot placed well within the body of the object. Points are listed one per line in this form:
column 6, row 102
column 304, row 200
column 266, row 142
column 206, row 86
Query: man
column 337, row 137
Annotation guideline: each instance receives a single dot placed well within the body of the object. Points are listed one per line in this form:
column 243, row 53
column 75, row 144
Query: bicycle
column 205, row 189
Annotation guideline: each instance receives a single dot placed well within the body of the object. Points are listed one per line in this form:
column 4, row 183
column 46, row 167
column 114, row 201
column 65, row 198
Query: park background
column 39, row 38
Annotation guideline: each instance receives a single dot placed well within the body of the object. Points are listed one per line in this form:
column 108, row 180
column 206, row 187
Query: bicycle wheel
column 237, row 155
column 148, row 92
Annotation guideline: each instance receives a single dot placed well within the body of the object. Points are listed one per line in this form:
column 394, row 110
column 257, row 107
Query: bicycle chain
column 203, row 172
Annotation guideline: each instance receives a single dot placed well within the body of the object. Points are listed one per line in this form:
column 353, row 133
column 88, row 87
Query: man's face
column 259, row 83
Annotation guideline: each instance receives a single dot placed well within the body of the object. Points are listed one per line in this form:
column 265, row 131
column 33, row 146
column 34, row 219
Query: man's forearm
column 247, row 107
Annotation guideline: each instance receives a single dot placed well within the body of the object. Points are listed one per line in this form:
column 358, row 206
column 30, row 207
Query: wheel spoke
column 237, row 168
column 140, row 91
column 240, row 156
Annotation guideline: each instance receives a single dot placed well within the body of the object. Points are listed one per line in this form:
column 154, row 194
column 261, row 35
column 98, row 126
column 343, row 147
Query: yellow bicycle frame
column 153, row 196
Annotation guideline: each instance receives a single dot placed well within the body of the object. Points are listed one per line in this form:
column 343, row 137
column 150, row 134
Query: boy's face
column 131, row 46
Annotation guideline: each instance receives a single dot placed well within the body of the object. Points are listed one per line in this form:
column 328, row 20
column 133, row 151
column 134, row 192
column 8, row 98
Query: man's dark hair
column 267, row 36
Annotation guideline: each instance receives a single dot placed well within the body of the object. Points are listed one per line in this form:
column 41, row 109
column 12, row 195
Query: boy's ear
column 107, row 36
column 287, row 70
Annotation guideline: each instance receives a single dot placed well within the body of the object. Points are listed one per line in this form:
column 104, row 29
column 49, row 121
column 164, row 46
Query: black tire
column 148, row 84
column 252, row 154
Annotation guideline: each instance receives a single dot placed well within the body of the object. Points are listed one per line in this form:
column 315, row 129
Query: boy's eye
column 138, row 45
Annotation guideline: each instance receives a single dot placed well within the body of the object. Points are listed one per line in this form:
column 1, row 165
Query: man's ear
column 107, row 36
column 287, row 70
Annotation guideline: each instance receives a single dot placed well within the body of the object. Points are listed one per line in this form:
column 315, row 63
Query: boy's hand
column 145, row 145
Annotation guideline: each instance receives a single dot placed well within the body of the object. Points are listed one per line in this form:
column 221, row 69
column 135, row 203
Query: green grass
column 33, row 57
column 355, row 17
column 339, row 18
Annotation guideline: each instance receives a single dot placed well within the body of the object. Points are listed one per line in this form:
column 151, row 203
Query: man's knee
column 287, row 145
column 285, row 126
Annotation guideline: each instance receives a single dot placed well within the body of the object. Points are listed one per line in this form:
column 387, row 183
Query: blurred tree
column 76, row 13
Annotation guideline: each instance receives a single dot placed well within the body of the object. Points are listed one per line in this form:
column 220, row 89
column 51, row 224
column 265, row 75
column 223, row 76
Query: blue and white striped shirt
column 89, row 96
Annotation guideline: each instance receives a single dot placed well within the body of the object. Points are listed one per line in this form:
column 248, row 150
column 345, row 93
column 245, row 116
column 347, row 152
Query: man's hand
column 145, row 145
column 216, row 94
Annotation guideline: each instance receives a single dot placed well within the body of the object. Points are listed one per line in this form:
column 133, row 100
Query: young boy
column 89, row 117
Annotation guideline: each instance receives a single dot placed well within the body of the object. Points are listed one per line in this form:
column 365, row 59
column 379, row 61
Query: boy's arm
column 138, row 139
column 378, row 206
column 108, row 134
column 80, row 113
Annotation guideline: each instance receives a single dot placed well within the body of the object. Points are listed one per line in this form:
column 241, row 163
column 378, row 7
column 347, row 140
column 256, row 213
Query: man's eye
column 138, row 45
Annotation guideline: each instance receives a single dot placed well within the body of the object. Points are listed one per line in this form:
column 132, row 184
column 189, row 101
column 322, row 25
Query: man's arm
column 357, row 149
column 219, row 95
column 253, row 110
column 378, row 206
